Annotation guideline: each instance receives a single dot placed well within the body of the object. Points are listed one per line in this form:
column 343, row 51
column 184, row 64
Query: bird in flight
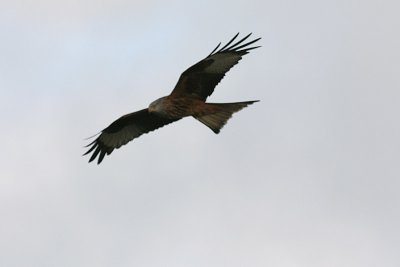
column 188, row 98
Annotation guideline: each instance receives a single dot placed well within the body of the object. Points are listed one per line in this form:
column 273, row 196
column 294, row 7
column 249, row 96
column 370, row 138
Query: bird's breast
column 177, row 107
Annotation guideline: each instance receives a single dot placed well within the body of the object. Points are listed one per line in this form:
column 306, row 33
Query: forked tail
column 218, row 114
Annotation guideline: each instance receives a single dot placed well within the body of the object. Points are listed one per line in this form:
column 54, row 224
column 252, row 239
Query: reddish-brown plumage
column 187, row 99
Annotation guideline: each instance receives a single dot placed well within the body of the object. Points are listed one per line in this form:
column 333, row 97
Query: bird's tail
column 216, row 115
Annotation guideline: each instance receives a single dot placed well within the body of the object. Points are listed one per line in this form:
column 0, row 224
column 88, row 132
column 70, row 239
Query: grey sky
column 307, row 177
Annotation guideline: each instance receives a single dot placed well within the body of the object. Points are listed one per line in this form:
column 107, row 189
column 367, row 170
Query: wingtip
column 236, row 46
column 90, row 137
column 252, row 102
column 215, row 49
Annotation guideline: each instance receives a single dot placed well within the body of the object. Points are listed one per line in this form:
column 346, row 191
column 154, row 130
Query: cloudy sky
column 307, row 177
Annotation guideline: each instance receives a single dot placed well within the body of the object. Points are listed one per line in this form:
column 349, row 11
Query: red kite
column 187, row 99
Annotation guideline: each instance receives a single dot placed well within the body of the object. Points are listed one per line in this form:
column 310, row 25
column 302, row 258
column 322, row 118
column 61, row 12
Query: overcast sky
column 307, row 177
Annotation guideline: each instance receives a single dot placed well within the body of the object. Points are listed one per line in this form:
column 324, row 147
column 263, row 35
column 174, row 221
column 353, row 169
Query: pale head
column 157, row 106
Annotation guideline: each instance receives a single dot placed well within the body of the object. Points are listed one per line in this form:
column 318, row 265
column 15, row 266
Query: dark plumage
column 187, row 99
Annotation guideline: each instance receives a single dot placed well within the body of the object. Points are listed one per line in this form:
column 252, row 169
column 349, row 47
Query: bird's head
column 157, row 105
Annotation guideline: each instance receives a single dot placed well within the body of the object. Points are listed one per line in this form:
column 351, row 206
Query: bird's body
column 177, row 108
column 187, row 99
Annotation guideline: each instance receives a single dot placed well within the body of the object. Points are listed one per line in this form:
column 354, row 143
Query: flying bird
column 188, row 98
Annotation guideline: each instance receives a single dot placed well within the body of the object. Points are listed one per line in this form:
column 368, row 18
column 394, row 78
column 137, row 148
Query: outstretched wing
column 200, row 79
column 123, row 130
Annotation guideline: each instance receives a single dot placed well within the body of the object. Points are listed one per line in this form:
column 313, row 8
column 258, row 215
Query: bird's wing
column 200, row 79
column 123, row 130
